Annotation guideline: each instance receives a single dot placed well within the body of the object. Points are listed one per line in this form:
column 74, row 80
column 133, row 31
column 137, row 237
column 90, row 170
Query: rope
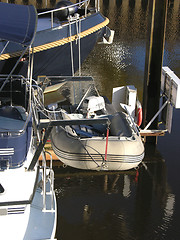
column 30, row 72
column 106, row 148
column 78, row 30
column 72, row 59
column 58, row 42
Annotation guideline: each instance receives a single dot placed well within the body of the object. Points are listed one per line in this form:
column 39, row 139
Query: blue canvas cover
column 17, row 23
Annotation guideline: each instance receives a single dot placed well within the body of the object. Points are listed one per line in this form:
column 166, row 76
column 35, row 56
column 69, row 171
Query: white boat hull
column 114, row 144
column 89, row 153
column 28, row 220
column 27, row 206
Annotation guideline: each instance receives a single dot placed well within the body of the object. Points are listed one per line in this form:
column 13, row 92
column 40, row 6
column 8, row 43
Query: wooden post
column 153, row 61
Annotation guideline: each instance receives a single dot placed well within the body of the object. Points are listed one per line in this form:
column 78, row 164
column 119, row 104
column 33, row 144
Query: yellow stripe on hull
column 58, row 42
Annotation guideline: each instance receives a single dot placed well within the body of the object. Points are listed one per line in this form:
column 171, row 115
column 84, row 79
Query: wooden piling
column 153, row 62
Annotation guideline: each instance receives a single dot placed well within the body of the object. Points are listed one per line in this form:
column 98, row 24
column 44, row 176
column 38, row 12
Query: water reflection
column 136, row 204
column 123, row 61
column 131, row 205
column 126, row 189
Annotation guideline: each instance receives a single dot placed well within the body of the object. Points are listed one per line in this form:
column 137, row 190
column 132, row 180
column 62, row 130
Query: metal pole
column 153, row 62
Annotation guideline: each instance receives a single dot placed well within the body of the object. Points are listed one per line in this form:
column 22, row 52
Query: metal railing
column 48, row 173
column 80, row 4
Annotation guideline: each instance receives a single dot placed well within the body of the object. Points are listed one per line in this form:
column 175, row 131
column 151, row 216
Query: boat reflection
column 129, row 202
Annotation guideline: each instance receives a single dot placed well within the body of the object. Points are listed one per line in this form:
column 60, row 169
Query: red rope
column 137, row 175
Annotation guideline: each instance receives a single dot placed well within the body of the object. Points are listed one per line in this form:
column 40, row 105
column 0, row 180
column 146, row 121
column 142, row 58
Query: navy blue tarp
column 17, row 23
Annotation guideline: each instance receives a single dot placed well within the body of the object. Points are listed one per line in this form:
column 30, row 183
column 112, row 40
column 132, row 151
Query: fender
column 138, row 113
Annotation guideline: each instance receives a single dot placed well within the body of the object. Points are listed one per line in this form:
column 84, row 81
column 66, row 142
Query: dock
column 152, row 133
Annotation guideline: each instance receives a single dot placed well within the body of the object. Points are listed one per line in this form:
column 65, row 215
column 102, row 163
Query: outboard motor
column 65, row 13
column 93, row 104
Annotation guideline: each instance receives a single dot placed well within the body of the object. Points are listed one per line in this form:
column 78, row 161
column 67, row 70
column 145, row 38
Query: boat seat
column 101, row 129
column 12, row 118
column 84, row 131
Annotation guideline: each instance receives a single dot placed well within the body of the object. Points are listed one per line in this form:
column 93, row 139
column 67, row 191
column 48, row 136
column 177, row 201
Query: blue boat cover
column 17, row 23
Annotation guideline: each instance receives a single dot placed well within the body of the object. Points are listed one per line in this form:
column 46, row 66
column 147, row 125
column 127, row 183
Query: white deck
column 18, row 183
column 42, row 223
column 30, row 221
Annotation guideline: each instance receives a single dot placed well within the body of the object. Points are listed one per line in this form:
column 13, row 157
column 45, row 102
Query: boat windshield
column 74, row 90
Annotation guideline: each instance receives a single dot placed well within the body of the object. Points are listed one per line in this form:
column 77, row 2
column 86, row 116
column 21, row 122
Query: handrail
column 62, row 8
column 80, row 4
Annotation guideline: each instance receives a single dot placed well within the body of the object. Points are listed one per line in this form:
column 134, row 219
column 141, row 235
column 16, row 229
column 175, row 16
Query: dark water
column 126, row 205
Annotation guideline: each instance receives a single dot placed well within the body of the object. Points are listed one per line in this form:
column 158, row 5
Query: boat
column 27, row 197
column 88, row 144
column 64, row 38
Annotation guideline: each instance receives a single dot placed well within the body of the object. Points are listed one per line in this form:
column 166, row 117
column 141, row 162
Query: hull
column 21, row 192
column 83, row 143
column 89, row 153
column 25, row 216
column 52, row 47
column 17, row 191
column 24, row 209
